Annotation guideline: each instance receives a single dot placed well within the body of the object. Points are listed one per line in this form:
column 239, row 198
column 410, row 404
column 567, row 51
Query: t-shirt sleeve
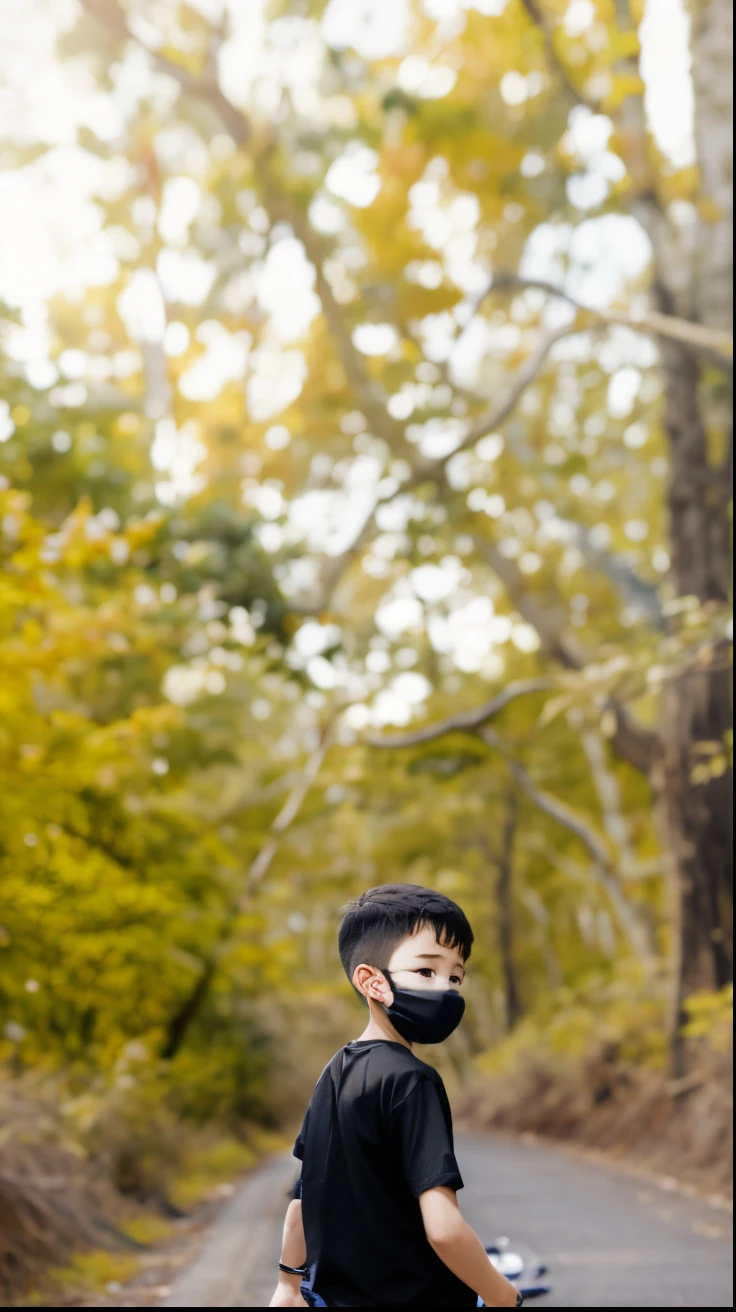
column 422, row 1141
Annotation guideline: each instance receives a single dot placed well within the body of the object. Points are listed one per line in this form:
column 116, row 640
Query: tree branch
column 609, row 793
column 497, row 413
column 642, row 196
column 476, row 722
column 111, row 15
column 636, row 744
column 368, row 393
column 466, row 722
column 288, row 813
column 546, row 27
column 642, row 598
column 281, row 207
column 333, row 567
column 714, row 340
column 633, row 741
column 603, row 865
column 549, row 622
column 191, row 1006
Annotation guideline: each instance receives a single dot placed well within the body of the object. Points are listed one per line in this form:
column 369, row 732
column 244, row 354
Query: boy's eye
column 428, row 973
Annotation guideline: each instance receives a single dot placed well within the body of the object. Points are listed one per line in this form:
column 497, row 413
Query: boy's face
column 420, row 962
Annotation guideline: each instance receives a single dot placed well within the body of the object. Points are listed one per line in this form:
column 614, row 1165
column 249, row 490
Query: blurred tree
column 118, row 863
column 412, row 382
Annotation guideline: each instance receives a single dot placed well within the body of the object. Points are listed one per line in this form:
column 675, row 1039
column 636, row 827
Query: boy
column 375, row 1220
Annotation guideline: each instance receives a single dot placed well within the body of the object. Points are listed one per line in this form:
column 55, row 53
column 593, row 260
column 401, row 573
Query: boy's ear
column 370, row 982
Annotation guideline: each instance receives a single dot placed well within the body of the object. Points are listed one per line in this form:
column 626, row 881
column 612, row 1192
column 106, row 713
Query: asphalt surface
column 609, row 1239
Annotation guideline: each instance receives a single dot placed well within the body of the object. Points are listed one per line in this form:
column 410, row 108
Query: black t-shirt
column 377, row 1134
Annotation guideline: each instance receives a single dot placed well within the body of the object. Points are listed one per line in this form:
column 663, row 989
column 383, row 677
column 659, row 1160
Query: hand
column 288, row 1294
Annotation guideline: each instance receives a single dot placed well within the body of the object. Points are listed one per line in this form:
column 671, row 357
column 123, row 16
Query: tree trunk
column 697, row 710
column 188, row 1011
column 699, row 827
column 537, row 910
column 693, row 279
column 712, row 47
column 506, row 921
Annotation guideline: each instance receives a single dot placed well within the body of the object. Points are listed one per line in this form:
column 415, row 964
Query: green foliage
column 216, row 1165
column 91, row 1273
column 710, row 1016
column 620, row 1020
column 148, row 1229
column 115, row 887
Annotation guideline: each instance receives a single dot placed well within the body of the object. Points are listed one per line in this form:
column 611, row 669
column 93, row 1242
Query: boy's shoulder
column 380, row 1062
column 371, row 1079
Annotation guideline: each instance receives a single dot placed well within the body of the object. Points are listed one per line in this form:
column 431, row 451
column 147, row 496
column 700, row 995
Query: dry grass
column 50, row 1201
column 79, row 1195
column 681, row 1129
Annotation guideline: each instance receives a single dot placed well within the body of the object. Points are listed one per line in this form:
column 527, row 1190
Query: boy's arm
column 458, row 1246
column 293, row 1253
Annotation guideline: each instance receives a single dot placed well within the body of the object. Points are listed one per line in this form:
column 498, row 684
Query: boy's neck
column 379, row 1027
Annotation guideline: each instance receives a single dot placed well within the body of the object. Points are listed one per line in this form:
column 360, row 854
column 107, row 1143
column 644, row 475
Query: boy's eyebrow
column 435, row 956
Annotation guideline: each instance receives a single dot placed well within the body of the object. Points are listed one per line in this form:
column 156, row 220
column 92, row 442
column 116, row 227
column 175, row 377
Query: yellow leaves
column 710, row 1016
column 709, row 210
column 488, row 47
column 410, row 350
column 575, row 1024
column 679, row 184
column 402, row 164
column 623, row 45
column 558, row 706
column 143, row 531
column 335, row 376
column 92, row 1273
column 32, row 632
column 128, row 423
column 623, row 85
column 385, row 231
column 20, row 414
column 16, row 503
column 687, row 605
column 714, row 761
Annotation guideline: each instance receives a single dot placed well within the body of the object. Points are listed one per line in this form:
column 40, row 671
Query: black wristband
column 294, row 1270
column 520, row 1300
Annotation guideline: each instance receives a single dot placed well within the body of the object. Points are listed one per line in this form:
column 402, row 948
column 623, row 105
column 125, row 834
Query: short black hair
column 375, row 923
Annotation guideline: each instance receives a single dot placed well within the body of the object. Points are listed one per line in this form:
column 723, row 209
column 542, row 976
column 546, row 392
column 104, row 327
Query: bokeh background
column 365, row 449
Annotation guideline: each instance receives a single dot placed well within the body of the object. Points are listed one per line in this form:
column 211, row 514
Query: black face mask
column 425, row 1016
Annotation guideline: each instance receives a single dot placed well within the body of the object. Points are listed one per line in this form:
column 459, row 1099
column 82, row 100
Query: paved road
column 610, row 1240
